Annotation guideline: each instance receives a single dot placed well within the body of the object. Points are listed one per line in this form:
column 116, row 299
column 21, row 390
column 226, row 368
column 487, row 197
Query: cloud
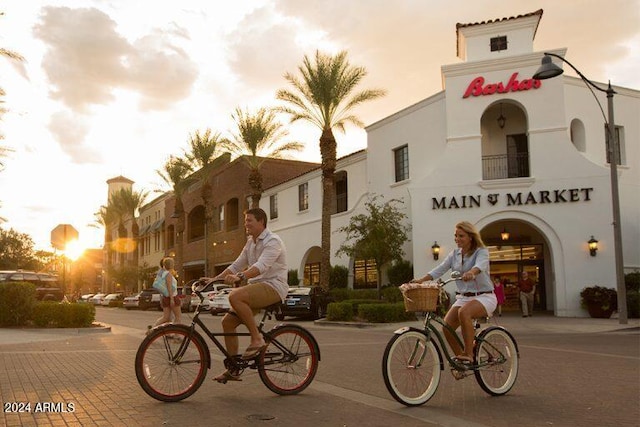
column 70, row 131
column 87, row 60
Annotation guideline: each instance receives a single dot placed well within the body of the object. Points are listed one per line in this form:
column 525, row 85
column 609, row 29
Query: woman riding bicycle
column 474, row 295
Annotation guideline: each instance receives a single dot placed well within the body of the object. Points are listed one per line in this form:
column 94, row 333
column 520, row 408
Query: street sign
column 62, row 234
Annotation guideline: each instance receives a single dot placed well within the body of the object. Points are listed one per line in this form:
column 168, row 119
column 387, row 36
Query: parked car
column 185, row 297
column 304, row 301
column 43, row 280
column 97, row 299
column 219, row 303
column 85, row 298
column 111, row 300
column 210, row 288
column 49, row 294
column 150, row 298
column 131, row 302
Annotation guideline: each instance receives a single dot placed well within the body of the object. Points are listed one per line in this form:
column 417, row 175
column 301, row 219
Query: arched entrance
column 516, row 246
column 310, row 266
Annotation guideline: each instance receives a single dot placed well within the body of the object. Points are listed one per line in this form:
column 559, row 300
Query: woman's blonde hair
column 470, row 229
column 168, row 263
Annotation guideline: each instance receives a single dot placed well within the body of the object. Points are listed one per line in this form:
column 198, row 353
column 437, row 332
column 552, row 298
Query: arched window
column 577, row 135
column 233, row 214
column 171, row 236
column 195, row 223
column 341, row 191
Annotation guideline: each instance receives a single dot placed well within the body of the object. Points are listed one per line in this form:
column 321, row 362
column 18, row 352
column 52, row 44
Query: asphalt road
column 565, row 379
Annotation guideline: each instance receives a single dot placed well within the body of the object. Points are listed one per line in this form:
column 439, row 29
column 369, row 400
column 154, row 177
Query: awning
column 144, row 230
column 157, row 225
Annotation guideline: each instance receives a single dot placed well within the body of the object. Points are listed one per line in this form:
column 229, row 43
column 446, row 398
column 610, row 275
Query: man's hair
column 259, row 214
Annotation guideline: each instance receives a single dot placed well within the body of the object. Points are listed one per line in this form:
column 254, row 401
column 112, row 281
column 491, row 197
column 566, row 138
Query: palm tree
column 257, row 138
column 204, row 149
column 177, row 173
column 325, row 97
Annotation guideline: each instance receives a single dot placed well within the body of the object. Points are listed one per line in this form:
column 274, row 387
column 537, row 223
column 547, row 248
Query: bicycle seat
column 273, row 307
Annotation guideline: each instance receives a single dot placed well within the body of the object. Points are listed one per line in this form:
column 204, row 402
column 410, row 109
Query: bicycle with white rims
column 415, row 358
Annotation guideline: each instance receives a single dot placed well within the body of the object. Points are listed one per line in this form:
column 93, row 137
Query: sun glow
column 74, row 249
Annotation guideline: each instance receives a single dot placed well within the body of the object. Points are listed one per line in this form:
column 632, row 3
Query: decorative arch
column 505, row 140
column 555, row 269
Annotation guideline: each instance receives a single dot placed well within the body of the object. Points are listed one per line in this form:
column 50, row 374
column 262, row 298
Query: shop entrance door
column 508, row 262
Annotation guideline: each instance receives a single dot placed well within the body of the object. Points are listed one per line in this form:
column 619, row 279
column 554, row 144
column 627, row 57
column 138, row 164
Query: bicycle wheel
column 411, row 368
column 170, row 364
column 290, row 361
column 497, row 358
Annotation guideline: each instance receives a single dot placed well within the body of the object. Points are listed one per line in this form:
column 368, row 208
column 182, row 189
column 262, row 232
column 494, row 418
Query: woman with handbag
column 167, row 284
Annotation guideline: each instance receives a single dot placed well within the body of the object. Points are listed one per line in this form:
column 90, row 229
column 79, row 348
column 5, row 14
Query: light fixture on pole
column 593, row 246
column 549, row 70
column 504, row 235
column 502, row 120
column 435, row 250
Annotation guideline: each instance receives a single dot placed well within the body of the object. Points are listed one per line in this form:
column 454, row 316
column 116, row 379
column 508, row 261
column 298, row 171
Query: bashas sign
column 478, row 88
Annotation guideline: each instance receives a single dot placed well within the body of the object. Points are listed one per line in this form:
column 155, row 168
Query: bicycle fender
column 407, row 328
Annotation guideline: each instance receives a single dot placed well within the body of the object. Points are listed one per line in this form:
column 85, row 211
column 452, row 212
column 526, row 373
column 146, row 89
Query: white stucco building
column 501, row 150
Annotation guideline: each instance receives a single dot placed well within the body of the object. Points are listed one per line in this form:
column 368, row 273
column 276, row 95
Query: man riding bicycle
column 260, row 277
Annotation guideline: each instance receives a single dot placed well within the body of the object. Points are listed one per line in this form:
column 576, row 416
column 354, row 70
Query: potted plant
column 599, row 301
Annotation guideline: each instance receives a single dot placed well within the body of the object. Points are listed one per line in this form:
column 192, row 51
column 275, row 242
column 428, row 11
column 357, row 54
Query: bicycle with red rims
column 172, row 361
column 413, row 359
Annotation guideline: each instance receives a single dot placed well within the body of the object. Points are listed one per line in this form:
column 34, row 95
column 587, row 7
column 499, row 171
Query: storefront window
column 365, row 274
column 312, row 274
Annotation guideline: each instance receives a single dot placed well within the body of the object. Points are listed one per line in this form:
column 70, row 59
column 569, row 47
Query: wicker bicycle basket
column 421, row 299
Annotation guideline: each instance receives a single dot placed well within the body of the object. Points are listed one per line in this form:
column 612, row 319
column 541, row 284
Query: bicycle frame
column 213, row 336
column 430, row 331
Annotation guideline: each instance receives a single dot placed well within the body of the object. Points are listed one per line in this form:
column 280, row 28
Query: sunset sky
column 114, row 87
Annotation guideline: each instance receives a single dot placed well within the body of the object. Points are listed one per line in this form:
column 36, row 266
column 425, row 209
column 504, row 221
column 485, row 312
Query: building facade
column 524, row 160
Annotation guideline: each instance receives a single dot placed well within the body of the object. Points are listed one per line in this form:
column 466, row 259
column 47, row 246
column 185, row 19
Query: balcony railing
column 505, row 166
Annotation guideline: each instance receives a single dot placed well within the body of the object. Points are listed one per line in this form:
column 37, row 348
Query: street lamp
column 549, row 70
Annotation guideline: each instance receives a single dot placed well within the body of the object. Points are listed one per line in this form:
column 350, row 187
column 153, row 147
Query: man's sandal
column 227, row 376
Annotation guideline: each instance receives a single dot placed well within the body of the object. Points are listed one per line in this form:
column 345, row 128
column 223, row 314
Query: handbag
column 160, row 283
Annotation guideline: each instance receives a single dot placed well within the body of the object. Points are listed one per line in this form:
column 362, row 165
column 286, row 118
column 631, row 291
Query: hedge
column 17, row 300
column 19, row 307
column 56, row 315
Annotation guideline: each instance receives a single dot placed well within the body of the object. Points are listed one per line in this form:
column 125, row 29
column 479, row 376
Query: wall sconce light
column 593, row 246
column 505, row 234
column 502, row 120
column 223, row 242
column 435, row 250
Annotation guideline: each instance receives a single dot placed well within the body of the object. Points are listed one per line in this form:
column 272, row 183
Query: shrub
column 17, row 300
column 633, row 304
column 56, row 315
column 340, row 311
column 632, row 281
column 338, row 277
column 292, row 278
column 400, row 272
column 382, row 313
column 391, row 294
column 345, row 294
column 605, row 298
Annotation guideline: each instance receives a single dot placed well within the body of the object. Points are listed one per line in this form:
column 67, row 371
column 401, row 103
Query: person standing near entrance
column 527, row 291
column 498, row 289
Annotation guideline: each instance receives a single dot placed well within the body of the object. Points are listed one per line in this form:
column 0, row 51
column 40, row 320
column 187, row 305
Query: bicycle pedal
column 458, row 375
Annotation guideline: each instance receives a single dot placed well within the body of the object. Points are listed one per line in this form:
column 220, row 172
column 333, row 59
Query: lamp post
column 549, row 70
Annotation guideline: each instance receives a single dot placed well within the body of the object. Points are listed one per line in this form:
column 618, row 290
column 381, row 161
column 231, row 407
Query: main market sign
column 542, row 197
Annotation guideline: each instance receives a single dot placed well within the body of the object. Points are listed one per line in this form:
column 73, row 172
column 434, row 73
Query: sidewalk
column 540, row 323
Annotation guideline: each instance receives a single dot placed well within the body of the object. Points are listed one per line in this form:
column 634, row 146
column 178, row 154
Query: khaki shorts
column 261, row 295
